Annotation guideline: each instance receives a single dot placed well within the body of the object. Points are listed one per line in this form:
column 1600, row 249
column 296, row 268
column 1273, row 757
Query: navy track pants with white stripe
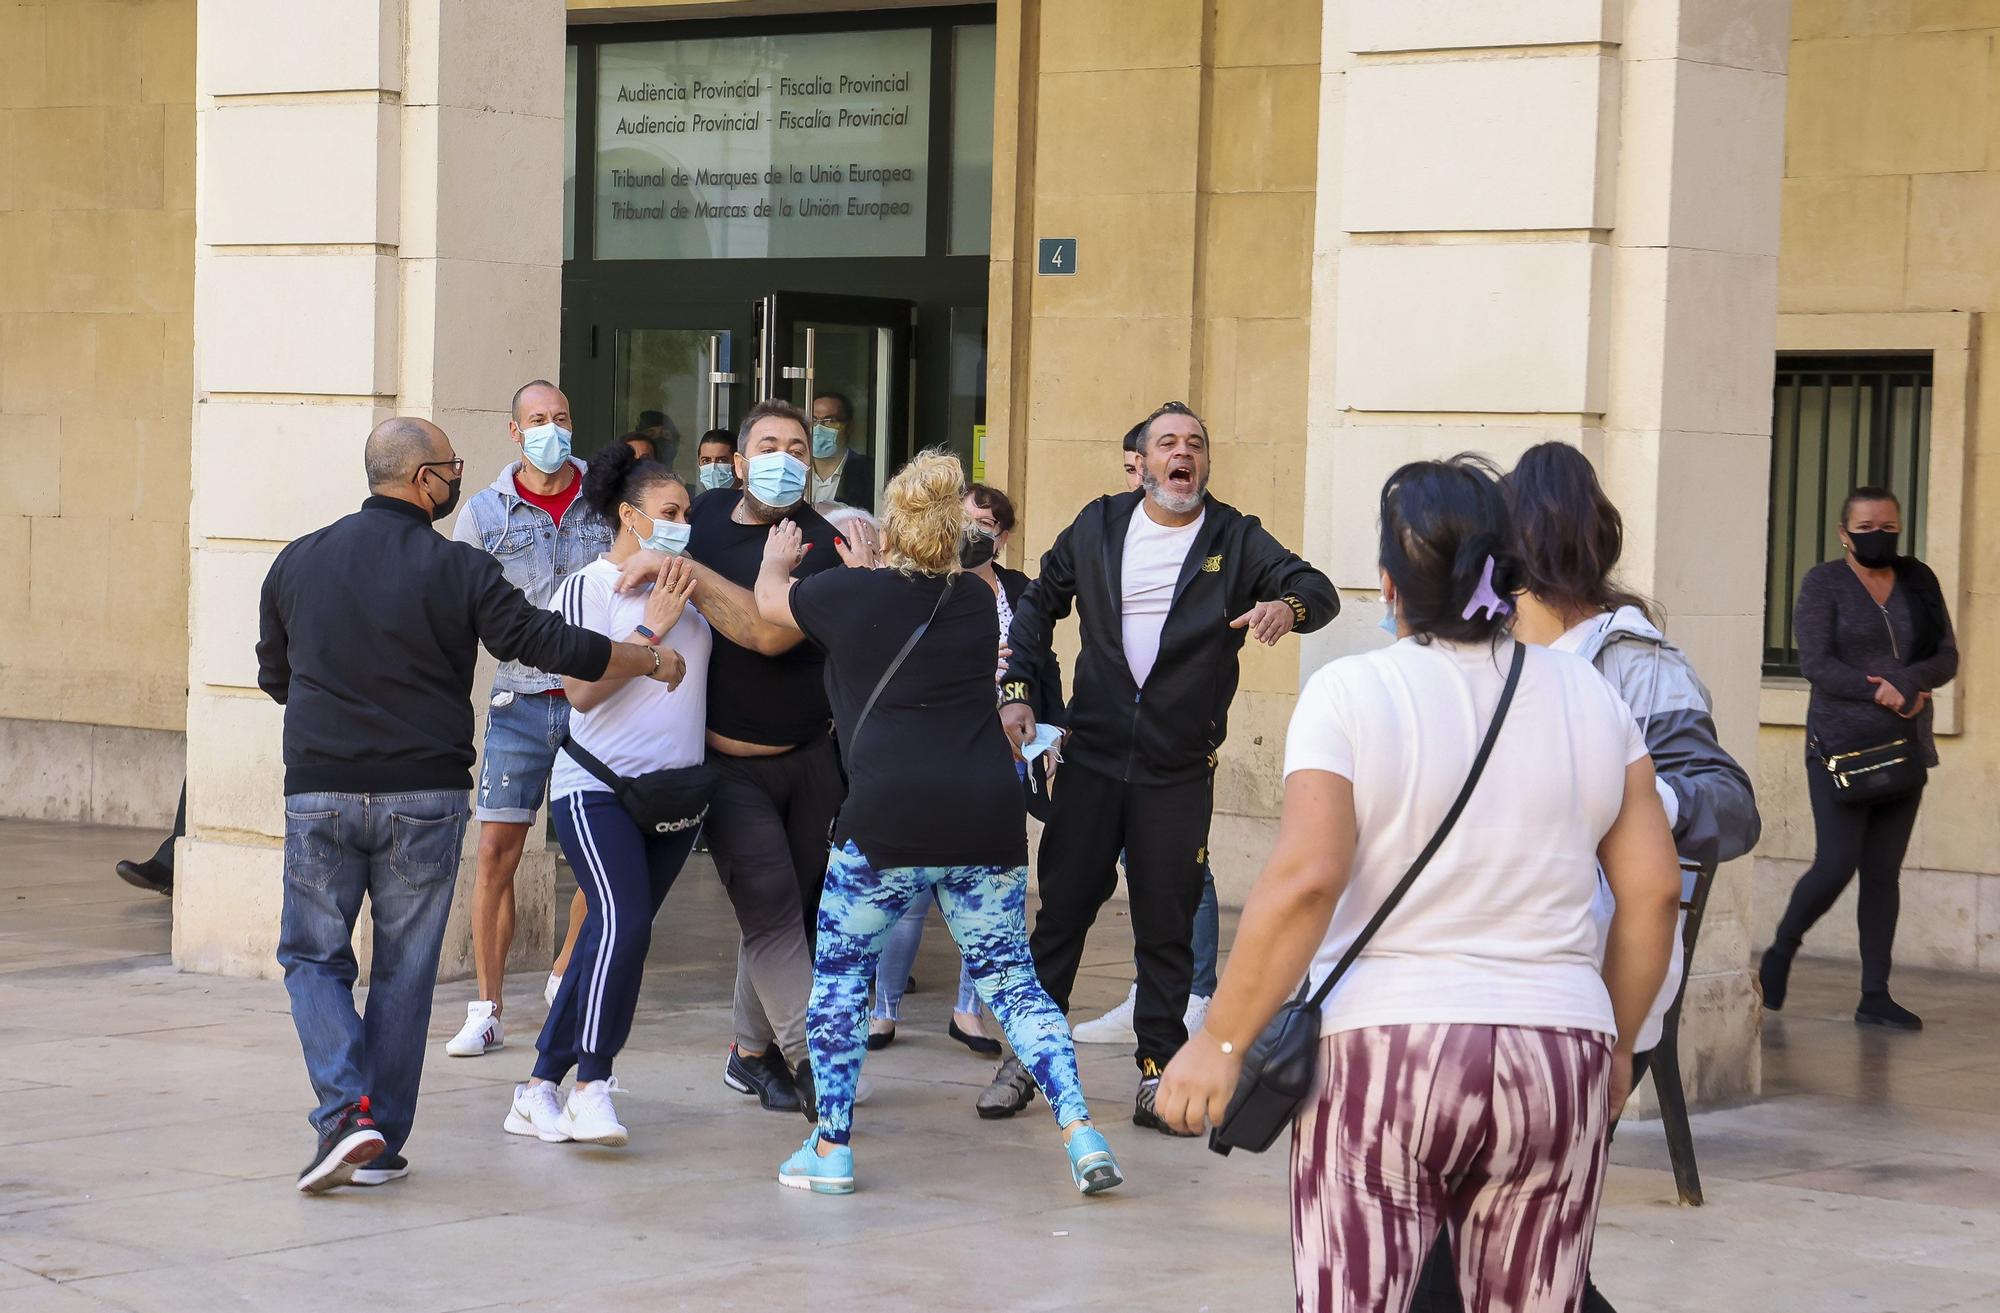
column 624, row 874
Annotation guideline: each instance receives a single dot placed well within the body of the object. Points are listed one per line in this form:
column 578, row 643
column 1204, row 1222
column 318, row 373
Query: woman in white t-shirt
column 1470, row 1059
column 632, row 727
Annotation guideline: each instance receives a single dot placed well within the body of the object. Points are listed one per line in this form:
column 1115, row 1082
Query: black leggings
column 1869, row 838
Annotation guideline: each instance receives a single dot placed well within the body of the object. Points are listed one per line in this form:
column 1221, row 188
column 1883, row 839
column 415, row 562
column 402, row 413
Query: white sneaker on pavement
column 1197, row 1009
column 549, row 990
column 536, row 1111
column 480, row 1034
column 1114, row 1027
column 589, row 1118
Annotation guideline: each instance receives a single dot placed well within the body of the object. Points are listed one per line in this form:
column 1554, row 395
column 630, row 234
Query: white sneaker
column 1114, row 1027
column 480, row 1034
column 549, row 990
column 537, row 1111
column 1197, row 1009
column 589, row 1118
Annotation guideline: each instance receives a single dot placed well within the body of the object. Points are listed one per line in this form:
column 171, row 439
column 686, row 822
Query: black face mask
column 450, row 502
column 976, row 549
column 1875, row 549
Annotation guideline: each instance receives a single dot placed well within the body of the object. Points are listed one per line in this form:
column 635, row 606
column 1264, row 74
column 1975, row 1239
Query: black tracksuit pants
column 1163, row 831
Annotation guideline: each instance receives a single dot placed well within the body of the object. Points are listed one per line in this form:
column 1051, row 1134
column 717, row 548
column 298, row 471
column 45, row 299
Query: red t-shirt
column 555, row 504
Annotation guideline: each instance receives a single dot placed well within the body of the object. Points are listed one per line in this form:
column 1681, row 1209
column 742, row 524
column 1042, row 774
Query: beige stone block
column 1122, row 34
column 471, row 53
column 161, row 275
column 463, row 191
column 27, row 263
column 89, row 261
column 1256, row 255
column 167, row 52
column 47, row 363
column 1721, row 1021
column 1727, row 652
column 1250, row 775
column 1270, row 381
column 96, row 487
column 93, row 53
column 252, row 47
column 1378, row 26
column 225, row 585
column 475, row 331
column 1536, row 150
column 44, row 767
column 59, row 158
column 1952, row 15
column 311, row 449
column 1744, row 34
column 31, row 450
column 177, row 129
column 1105, row 148
column 301, row 174
column 1842, row 243
column 1695, row 507
column 1267, row 33
column 1701, row 157
column 297, row 323
column 1696, row 337
column 236, row 764
column 1215, row 390
column 135, row 156
column 24, row 31
column 1072, row 397
column 148, row 592
column 1952, row 261
column 1937, row 83
column 1062, row 478
column 135, row 775
column 1238, row 847
column 1849, row 18
column 228, row 897
column 1135, row 256
column 131, row 363
column 162, row 454
column 1260, row 129
column 1516, row 328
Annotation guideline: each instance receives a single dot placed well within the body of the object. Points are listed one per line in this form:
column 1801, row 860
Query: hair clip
column 1485, row 599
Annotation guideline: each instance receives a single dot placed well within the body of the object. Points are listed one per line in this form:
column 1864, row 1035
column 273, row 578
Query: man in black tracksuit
column 1168, row 582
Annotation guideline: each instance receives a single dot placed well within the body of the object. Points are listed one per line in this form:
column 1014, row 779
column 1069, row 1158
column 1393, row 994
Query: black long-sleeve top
column 1844, row 637
column 368, row 636
column 1168, row 732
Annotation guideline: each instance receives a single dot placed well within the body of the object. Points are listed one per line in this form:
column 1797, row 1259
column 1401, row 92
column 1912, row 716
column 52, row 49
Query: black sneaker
column 389, row 1167
column 807, row 1090
column 1143, row 1113
column 764, row 1075
column 1881, row 1010
column 147, row 875
column 1012, row 1090
column 352, row 1141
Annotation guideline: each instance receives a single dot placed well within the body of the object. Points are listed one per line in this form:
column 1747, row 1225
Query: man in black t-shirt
column 778, row 778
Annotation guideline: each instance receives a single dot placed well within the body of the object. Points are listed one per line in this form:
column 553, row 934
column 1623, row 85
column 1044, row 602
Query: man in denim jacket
column 531, row 521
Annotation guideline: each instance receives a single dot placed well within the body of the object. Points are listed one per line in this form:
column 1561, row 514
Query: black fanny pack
column 1881, row 771
column 660, row 801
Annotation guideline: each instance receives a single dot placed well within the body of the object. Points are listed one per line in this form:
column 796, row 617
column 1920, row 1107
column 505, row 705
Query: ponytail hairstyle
column 618, row 475
column 1567, row 533
column 923, row 515
column 1442, row 522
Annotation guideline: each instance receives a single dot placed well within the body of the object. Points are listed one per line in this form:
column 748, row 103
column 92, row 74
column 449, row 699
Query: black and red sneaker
column 350, row 1142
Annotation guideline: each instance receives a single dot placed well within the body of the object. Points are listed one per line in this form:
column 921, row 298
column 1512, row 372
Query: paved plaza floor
column 151, row 1125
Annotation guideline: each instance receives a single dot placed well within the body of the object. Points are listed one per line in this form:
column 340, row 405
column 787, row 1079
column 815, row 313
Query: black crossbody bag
column 895, row 664
column 1283, row 1063
column 1866, row 774
column 660, row 801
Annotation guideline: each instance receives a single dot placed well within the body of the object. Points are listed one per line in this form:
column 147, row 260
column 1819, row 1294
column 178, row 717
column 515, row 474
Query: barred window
column 1838, row 422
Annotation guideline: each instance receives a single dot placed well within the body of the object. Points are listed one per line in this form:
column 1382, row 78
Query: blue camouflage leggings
column 986, row 909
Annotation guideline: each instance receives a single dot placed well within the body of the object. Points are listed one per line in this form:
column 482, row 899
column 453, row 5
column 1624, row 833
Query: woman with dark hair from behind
column 1874, row 639
column 1569, row 538
column 1470, row 1056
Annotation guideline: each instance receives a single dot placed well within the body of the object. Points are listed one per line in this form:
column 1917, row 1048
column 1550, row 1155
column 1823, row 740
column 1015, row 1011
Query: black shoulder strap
column 895, row 665
column 1437, row 840
column 590, row 763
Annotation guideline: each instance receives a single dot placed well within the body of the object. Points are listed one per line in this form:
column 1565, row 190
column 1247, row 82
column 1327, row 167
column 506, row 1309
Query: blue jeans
column 401, row 850
column 1207, row 934
column 522, row 736
column 899, row 954
column 987, row 910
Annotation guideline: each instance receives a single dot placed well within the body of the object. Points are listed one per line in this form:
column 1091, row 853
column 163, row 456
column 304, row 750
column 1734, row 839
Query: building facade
column 1348, row 232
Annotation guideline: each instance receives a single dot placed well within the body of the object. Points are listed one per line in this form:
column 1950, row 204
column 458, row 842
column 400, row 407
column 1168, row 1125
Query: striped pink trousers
column 1497, row 1131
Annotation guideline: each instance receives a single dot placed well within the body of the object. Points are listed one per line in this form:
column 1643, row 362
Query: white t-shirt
column 1497, row 930
column 645, row 725
column 1154, row 553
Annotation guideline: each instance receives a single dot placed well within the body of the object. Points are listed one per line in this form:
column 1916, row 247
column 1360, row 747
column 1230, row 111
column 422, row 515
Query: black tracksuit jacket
column 369, row 631
column 1168, row 732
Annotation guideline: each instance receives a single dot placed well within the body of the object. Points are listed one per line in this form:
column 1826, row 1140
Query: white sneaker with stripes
column 481, row 1033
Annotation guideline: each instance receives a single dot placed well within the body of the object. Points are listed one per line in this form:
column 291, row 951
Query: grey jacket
column 1716, row 806
column 1844, row 637
column 535, row 553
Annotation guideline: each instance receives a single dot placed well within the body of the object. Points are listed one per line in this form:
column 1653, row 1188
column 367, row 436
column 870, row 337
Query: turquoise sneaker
column 833, row 1174
column 1091, row 1163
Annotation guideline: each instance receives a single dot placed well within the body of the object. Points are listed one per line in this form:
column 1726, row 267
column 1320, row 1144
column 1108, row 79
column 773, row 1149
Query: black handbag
column 661, row 802
column 1282, row 1064
column 1877, row 772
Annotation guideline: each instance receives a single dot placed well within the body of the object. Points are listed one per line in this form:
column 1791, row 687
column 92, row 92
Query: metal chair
column 1666, row 1065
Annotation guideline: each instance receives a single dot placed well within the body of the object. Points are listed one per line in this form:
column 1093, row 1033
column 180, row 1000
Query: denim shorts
column 521, row 741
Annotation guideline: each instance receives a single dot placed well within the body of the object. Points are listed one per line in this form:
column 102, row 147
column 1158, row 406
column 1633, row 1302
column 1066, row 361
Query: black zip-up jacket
column 368, row 634
column 1844, row 637
column 1168, row 732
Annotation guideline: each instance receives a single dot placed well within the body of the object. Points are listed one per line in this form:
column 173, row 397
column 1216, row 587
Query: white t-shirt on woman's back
column 1497, row 930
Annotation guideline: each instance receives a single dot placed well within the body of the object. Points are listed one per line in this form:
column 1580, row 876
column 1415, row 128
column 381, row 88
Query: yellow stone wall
column 96, row 352
column 1891, row 204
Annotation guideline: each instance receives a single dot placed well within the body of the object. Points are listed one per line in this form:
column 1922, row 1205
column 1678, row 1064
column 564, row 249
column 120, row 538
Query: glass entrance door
column 844, row 360
column 670, row 372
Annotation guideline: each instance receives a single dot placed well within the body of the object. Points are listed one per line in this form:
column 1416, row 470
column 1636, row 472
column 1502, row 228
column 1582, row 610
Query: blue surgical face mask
column 826, row 440
column 719, row 475
column 667, row 536
column 546, row 446
column 1387, row 624
column 777, row 478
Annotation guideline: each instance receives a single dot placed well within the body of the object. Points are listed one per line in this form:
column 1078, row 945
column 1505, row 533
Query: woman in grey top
column 1874, row 639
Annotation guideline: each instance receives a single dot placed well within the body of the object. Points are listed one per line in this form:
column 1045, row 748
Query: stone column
column 1560, row 222
column 379, row 224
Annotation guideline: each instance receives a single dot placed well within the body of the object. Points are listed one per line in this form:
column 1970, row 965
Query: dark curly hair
column 1567, row 532
column 619, row 474
column 1441, row 520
